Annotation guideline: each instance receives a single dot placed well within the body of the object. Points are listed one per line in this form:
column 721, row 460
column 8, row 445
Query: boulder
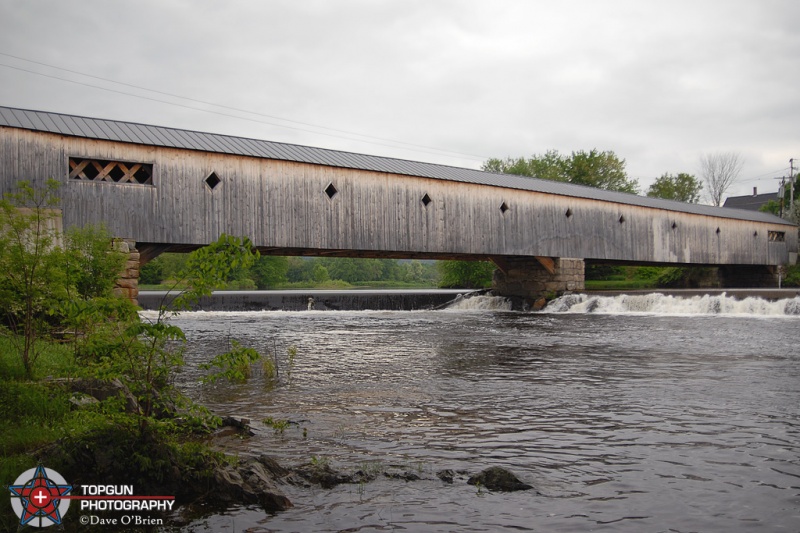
column 500, row 479
column 249, row 482
column 323, row 475
column 101, row 390
column 446, row 475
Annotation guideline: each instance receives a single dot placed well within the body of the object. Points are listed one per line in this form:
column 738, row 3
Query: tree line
column 278, row 272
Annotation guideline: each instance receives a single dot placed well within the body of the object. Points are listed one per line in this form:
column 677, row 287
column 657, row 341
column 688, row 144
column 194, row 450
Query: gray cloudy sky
column 659, row 83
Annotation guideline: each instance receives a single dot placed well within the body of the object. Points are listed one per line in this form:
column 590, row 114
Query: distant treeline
column 271, row 272
column 275, row 272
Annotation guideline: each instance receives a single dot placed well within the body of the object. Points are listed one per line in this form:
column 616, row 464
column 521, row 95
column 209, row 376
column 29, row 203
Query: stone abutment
column 532, row 278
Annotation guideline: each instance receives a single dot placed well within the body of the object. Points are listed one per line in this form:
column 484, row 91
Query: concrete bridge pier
column 535, row 278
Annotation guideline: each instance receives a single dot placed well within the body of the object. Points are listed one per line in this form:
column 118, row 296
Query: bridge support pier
column 747, row 276
column 127, row 284
column 536, row 278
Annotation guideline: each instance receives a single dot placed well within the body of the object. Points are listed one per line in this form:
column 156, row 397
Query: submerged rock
column 500, row 479
column 322, row 474
column 405, row 476
column 249, row 482
column 446, row 475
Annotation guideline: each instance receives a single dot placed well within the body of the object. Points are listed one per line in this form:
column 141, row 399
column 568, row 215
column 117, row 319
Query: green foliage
column 271, row 365
column 233, row 365
column 649, row 277
column 548, row 166
column 682, row 187
column 597, row 272
column 49, row 284
column 31, row 261
column 270, row 271
column 91, row 264
column 320, row 273
column 210, row 267
column 792, row 277
column 771, row 207
column 55, row 359
column 66, row 288
column 279, row 425
column 670, row 277
column 603, row 170
column 781, row 206
column 466, row 274
column 304, row 272
column 152, row 273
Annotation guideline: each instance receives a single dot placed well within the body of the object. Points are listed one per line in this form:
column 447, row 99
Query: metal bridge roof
column 130, row 132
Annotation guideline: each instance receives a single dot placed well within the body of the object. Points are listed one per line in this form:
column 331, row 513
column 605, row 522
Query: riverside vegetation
column 86, row 385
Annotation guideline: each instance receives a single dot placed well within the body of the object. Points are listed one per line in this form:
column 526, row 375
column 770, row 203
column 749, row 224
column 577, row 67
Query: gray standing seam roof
column 128, row 132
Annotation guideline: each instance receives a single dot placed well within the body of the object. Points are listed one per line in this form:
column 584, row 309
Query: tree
column 152, row 273
column 719, row 172
column 270, row 271
column 683, row 188
column 30, row 260
column 465, row 274
column 549, row 166
column 91, row 266
column 603, row 170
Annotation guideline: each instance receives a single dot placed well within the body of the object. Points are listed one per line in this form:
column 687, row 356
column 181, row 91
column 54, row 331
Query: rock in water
column 496, row 478
column 249, row 482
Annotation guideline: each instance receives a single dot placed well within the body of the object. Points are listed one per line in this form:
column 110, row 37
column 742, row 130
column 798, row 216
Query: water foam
column 661, row 304
column 480, row 302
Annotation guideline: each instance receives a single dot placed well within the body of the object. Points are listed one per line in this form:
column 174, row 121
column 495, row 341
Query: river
column 655, row 414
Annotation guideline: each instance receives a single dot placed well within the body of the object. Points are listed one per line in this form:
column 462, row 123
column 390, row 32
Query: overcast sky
column 658, row 83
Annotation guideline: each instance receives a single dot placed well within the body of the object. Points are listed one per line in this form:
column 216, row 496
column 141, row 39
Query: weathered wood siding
column 283, row 205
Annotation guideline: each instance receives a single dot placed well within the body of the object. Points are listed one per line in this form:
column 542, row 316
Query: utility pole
column 791, row 185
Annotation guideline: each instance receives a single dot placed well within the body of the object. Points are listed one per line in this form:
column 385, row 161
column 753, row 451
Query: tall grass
column 55, row 360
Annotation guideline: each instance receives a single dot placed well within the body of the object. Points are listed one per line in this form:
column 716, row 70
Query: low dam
column 415, row 300
column 322, row 300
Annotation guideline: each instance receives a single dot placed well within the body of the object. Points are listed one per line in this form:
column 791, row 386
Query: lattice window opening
column 776, row 236
column 110, row 171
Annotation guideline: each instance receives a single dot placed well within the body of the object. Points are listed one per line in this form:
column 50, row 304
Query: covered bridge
column 169, row 189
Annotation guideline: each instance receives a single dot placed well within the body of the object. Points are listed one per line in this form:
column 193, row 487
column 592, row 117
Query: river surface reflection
column 621, row 422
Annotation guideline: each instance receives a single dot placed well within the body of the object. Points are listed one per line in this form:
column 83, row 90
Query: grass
column 33, row 413
column 54, row 360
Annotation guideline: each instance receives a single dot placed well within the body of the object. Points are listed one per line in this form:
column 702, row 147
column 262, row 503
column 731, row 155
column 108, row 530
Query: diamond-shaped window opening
column 674, row 225
column 213, row 180
column 621, row 219
column 331, row 191
column 504, row 207
column 719, row 231
column 755, row 233
column 426, row 200
column 568, row 213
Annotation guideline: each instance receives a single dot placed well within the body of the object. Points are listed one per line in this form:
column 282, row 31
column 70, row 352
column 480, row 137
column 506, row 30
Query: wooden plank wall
column 283, row 205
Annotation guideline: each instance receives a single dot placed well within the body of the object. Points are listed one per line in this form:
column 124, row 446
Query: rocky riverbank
column 259, row 479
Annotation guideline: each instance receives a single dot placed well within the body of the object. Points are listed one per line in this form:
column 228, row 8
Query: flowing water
column 644, row 413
